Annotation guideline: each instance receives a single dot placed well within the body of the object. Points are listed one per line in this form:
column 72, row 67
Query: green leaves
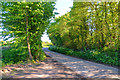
column 87, row 25
column 93, row 55
column 90, row 26
column 27, row 21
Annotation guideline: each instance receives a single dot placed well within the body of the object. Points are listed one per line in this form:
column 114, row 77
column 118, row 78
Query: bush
column 94, row 55
column 13, row 56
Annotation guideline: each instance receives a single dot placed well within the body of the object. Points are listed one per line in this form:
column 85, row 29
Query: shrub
column 94, row 55
column 13, row 56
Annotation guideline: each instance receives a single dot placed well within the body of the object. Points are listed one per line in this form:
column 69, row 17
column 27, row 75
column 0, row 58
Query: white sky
column 63, row 6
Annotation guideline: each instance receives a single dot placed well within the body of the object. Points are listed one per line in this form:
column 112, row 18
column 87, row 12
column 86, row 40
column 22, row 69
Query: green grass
column 106, row 57
column 46, row 44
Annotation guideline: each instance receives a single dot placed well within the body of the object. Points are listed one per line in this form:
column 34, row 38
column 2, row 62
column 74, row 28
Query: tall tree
column 88, row 25
column 27, row 21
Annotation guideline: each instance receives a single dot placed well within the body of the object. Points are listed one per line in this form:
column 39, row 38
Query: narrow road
column 85, row 68
column 49, row 68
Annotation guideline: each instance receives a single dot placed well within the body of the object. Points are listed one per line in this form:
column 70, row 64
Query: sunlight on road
column 83, row 67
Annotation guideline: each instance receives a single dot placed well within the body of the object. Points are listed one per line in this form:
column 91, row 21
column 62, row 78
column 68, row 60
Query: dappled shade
column 85, row 68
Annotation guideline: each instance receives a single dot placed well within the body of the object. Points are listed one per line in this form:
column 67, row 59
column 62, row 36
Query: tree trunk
column 119, row 25
column 28, row 44
column 102, row 32
column 96, row 26
column 106, row 12
column 119, row 14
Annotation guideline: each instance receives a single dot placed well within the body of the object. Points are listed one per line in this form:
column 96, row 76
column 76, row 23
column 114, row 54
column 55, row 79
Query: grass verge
column 106, row 57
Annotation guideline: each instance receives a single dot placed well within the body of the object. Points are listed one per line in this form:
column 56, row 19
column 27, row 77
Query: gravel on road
column 85, row 68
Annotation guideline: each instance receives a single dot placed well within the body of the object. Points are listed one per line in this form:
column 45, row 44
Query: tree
column 27, row 21
column 92, row 25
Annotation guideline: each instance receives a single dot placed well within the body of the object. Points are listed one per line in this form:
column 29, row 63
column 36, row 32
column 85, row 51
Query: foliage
column 25, row 22
column 106, row 57
column 11, row 56
column 89, row 25
column 89, row 31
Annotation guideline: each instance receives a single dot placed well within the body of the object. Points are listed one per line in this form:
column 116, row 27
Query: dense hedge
column 94, row 55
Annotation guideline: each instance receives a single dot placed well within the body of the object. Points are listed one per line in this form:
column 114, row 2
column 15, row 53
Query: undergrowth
column 106, row 57
column 13, row 56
